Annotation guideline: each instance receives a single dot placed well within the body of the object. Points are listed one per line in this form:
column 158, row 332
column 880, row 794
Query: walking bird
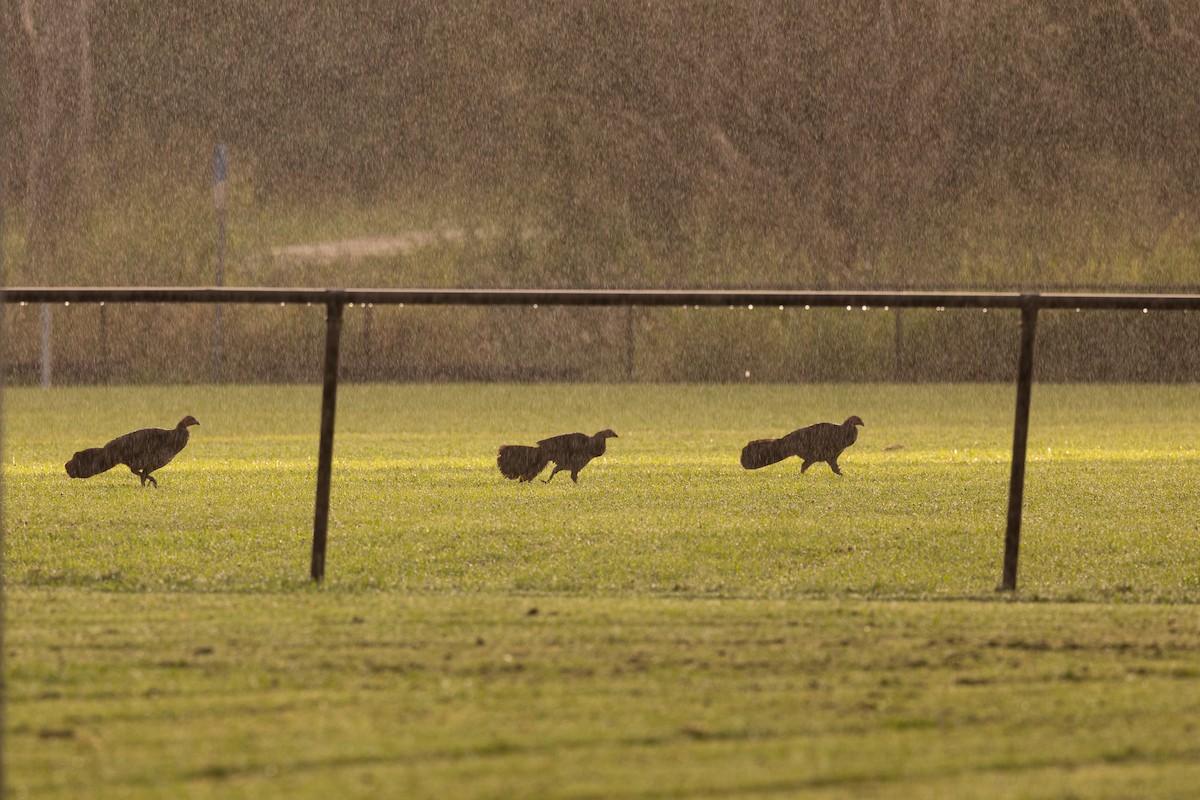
column 824, row 441
column 570, row 451
column 142, row 451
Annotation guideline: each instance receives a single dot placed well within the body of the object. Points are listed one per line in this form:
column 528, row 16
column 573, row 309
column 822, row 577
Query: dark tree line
column 849, row 132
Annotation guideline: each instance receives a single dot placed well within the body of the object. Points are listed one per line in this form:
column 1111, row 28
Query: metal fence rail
column 335, row 301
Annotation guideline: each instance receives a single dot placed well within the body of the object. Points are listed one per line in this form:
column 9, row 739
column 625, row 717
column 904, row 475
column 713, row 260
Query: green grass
column 672, row 626
column 389, row 694
column 418, row 504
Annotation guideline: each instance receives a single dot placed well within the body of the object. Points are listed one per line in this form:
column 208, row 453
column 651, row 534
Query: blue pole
column 220, row 170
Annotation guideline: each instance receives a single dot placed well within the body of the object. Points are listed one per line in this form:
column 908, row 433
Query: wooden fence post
column 333, row 334
column 1016, row 483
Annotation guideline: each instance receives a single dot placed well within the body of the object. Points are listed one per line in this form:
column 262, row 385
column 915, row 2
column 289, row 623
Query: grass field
column 672, row 626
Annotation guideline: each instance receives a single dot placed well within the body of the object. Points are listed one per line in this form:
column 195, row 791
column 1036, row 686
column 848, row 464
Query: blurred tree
column 853, row 140
column 1138, row 62
column 57, row 184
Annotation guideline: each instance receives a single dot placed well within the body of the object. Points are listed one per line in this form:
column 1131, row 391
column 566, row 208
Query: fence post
column 898, row 344
column 333, row 334
column 368, row 371
column 629, row 327
column 105, row 358
column 47, row 369
column 1016, row 484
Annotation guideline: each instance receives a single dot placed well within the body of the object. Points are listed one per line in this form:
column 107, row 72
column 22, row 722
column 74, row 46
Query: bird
column 569, row 451
column 824, row 441
column 142, row 451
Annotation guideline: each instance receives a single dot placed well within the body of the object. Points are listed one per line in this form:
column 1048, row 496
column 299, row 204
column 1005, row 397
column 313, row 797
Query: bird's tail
column 763, row 452
column 89, row 462
column 518, row 461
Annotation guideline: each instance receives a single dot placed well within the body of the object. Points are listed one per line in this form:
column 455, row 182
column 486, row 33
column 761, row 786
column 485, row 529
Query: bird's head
column 607, row 433
column 188, row 421
column 852, row 421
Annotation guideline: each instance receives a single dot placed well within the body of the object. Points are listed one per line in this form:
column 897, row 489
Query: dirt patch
column 370, row 246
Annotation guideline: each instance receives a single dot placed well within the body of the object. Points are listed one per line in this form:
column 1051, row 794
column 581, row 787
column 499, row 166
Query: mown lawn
column 672, row 626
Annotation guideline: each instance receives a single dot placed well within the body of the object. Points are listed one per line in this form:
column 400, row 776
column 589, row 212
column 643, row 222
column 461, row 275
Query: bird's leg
column 833, row 466
column 150, row 478
column 575, row 475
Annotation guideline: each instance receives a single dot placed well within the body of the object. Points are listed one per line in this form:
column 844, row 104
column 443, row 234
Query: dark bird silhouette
column 824, row 441
column 142, row 451
column 570, row 451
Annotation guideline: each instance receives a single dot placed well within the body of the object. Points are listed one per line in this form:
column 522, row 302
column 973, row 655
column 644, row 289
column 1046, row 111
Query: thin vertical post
column 217, row 314
column 1016, row 484
column 47, row 369
column 333, row 336
column 629, row 345
column 368, row 372
column 898, row 345
column 105, row 359
column 220, row 174
column 218, row 343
